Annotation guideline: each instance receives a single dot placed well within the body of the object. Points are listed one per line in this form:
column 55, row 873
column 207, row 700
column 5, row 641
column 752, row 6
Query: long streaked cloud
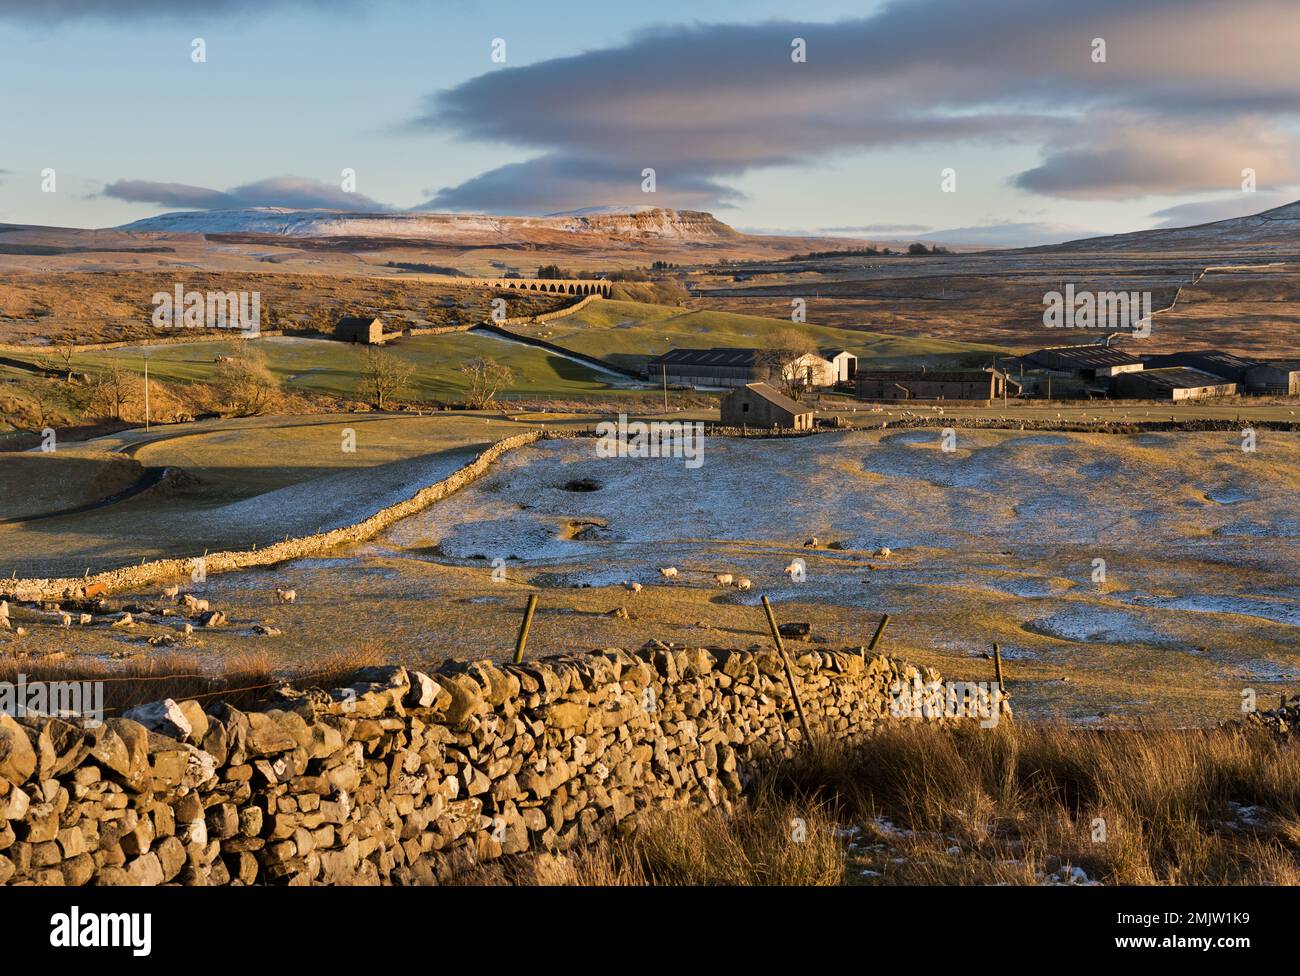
column 705, row 104
column 284, row 191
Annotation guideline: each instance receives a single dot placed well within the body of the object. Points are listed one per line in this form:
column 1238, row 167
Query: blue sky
column 405, row 92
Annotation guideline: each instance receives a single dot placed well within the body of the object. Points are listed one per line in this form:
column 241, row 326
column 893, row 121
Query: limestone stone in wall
column 405, row 777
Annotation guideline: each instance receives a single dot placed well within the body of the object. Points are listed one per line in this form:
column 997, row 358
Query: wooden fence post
column 522, row 639
column 884, row 622
column 997, row 667
column 789, row 671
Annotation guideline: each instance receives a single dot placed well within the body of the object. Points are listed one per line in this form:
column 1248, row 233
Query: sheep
column 85, row 620
column 743, row 584
column 4, row 609
column 668, row 572
column 188, row 630
column 793, row 569
column 194, row 605
column 65, row 620
column 169, row 593
column 884, row 552
column 723, row 579
column 633, row 586
column 286, row 596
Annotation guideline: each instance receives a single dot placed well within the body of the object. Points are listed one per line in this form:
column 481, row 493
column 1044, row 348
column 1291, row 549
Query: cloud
column 1207, row 211
column 46, row 12
column 285, row 191
column 558, row 182
column 1136, row 158
column 704, row 104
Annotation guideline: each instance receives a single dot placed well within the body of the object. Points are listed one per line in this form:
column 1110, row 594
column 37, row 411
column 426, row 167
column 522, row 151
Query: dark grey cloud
column 704, row 104
column 284, row 191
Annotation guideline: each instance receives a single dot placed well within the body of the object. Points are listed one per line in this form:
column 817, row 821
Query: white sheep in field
column 668, row 572
column 188, row 630
column 793, row 569
column 4, row 609
column 65, row 620
column 169, row 592
column 286, row 596
column 633, row 586
column 884, row 552
column 723, row 579
column 743, row 584
column 195, row 605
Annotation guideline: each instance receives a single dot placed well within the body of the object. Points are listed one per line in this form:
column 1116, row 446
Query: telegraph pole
column 146, row 394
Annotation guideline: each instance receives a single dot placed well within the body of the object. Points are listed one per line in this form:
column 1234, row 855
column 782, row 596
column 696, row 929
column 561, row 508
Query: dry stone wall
column 172, row 570
column 405, row 777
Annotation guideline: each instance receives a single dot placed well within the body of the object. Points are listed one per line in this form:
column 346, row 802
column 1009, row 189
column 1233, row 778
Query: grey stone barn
column 934, row 384
column 358, row 328
column 760, row 405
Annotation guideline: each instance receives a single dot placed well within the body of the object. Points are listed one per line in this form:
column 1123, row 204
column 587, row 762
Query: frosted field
column 995, row 541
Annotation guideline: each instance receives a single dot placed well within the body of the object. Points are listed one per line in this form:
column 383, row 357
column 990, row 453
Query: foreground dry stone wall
column 405, row 777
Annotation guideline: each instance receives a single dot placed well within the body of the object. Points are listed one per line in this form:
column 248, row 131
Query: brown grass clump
column 966, row 806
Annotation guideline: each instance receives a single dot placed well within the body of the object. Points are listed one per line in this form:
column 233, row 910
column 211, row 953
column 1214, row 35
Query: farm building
column 952, row 384
column 732, row 367
column 1091, row 362
column 707, row 367
column 760, row 405
column 843, row 364
column 1176, row 383
column 813, row 370
column 1253, row 375
column 357, row 328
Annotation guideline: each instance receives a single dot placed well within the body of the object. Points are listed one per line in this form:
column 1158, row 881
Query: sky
column 998, row 121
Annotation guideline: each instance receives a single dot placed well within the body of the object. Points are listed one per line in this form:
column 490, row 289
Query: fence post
column 884, row 622
column 997, row 667
column 522, row 639
column 789, row 671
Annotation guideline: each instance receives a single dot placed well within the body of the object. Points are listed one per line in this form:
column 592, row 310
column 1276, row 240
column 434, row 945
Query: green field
column 326, row 366
column 625, row 334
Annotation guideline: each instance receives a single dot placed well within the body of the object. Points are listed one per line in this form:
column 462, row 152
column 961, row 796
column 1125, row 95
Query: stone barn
column 1176, row 383
column 760, row 405
column 358, row 328
column 930, row 384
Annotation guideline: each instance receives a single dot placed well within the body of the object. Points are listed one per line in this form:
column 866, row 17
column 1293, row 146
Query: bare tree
column 383, row 374
column 780, row 354
column 63, row 355
column 486, row 379
column 113, row 391
column 245, row 383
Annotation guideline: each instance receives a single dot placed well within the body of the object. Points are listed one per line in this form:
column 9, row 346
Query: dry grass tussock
column 1016, row 805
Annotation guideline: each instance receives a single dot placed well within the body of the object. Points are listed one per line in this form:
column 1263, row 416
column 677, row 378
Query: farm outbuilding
column 1254, row 375
column 707, row 367
column 1176, row 383
column 1091, row 361
column 358, row 328
column 760, row 405
column 937, row 384
column 844, row 365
